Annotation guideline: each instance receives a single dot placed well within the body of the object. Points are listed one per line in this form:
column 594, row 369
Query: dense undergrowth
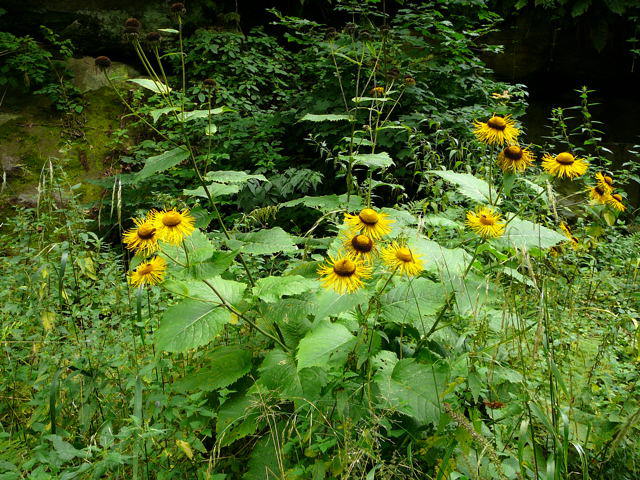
column 333, row 271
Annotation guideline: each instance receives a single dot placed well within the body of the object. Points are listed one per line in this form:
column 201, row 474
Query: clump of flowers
column 486, row 223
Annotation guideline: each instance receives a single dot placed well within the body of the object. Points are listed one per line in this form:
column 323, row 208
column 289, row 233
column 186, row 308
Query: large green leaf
column 215, row 190
column 380, row 160
column 292, row 316
column 236, row 419
column 153, row 85
column 265, row 242
column 439, row 259
column 223, row 366
column 327, row 203
column 233, row 176
column 190, row 324
column 414, row 389
column 413, row 302
column 329, row 117
column 328, row 303
column 327, row 344
column 230, row 290
column 525, row 234
column 468, row 185
column 270, row 289
column 162, row 162
column 279, row 372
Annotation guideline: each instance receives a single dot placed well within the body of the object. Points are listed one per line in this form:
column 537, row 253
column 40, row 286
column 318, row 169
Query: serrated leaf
column 154, row 86
column 525, row 234
column 232, row 176
column 380, row 160
column 439, row 259
column 215, row 190
column 279, row 372
column 190, row 324
column 327, row 344
column 223, row 366
column 199, row 246
column 328, row 303
column 327, row 203
column 158, row 112
column 196, row 114
column 236, row 419
column 162, row 162
column 270, row 289
column 329, row 117
column 266, row 242
column 468, row 185
column 413, row 303
column 230, row 290
column 413, row 389
column 264, row 464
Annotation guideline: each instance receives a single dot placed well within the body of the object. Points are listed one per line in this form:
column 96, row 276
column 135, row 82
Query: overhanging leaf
column 468, row 185
column 327, row 344
column 154, row 86
column 329, row 117
column 380, row 160
column 525, row 234
column 162, row 162
column 270, row 289
column 223, row 366
column 266, row 242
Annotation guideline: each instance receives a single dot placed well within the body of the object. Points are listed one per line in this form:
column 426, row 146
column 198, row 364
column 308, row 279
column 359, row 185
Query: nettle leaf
column 525, row 234
column 154, row 86
column 380, row 160
column 413, row 302
column 236, row 419
column 270, row 289
column 414, row 389
column 223, row 366
column 468, row 185
column 327, row 203
column 190, row 324
column 232, row 176
column 329, row 117
column 327, row 344
column 265, row 242
column 162, row 162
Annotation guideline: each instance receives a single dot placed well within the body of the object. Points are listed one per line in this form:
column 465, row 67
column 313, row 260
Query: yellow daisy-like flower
column 564, row 165
column 486, row 223
column 344, row 274
column 369, row 222
column 515, row 159
column 401, row 258
column 142, row 238
column 377, row 91
column 173, row 226
column 615, row 201
column 496, row 131
column 148, row 273
column 598, row 194
column 359, row 246
column 566, row 231
column 605, row 182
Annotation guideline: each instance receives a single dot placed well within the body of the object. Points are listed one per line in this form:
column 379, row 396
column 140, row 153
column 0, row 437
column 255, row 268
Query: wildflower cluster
column 361, row 246
column 169, row 226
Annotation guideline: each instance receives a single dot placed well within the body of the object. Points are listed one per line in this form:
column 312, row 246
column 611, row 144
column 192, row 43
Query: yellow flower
column 515, row 159
column 615, row 201
column 371, row 223
column 569, row 234
column 173, row 226
column 148, row 273
column 599, row 194
column 486, row 223
column 359, row 246
column 564, row 165
column 605, row 182
column 344, row 274
column 401, row 258
column 496, row 131
column 142, row 238
column 377, row 91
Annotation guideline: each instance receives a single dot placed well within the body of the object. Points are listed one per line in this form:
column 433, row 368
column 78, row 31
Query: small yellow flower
column 173, row 226
column 496, row 131
column 605, row 182
column 486, row 223
column 377, row 91
column 615, row 201
column 359, row 246
column 148, row 273
column 515, row 159
column 599, row 194
column 564, row 165
column 504, row 95
column 369, row 222
column 401, row 258
column 344, row 274
column 142, row 238
column 569, row 234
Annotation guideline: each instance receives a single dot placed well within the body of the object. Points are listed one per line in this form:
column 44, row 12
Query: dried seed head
column 178, row 8
column 409, row 81
column 102, row 62
column 132, row 24
column 153, row 37
column 209, row 83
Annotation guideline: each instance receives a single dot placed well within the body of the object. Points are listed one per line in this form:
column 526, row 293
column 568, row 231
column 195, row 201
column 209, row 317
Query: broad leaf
column 232, row 176
column 327, row 344
column 468, row 185
column 327, row 203
column 413, row 389
column 158, row 112
column 525, row 234
column 439, row 259
column 265, row 242
column 270, row 289
column 380, row 160
column 328, row 303
column 236, row 419
column 190, row 324
column 223, row 366
column 312, row 117
column 162, row 162
column 215, row 190
column 413, row 303
column 154, row 86
column 230, row 290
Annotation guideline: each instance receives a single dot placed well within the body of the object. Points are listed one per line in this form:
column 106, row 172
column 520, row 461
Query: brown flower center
column 344, row 267
column 497, row 123
column 145, row 269
column 485, row 220
column 513, row 153
column 617, row 197
column 404, row 254
column 171, row 219
column 565, row 158
column 599, row 190
column 608, row 180
column 369, row 216
column 145, row 232
column 362, row 243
